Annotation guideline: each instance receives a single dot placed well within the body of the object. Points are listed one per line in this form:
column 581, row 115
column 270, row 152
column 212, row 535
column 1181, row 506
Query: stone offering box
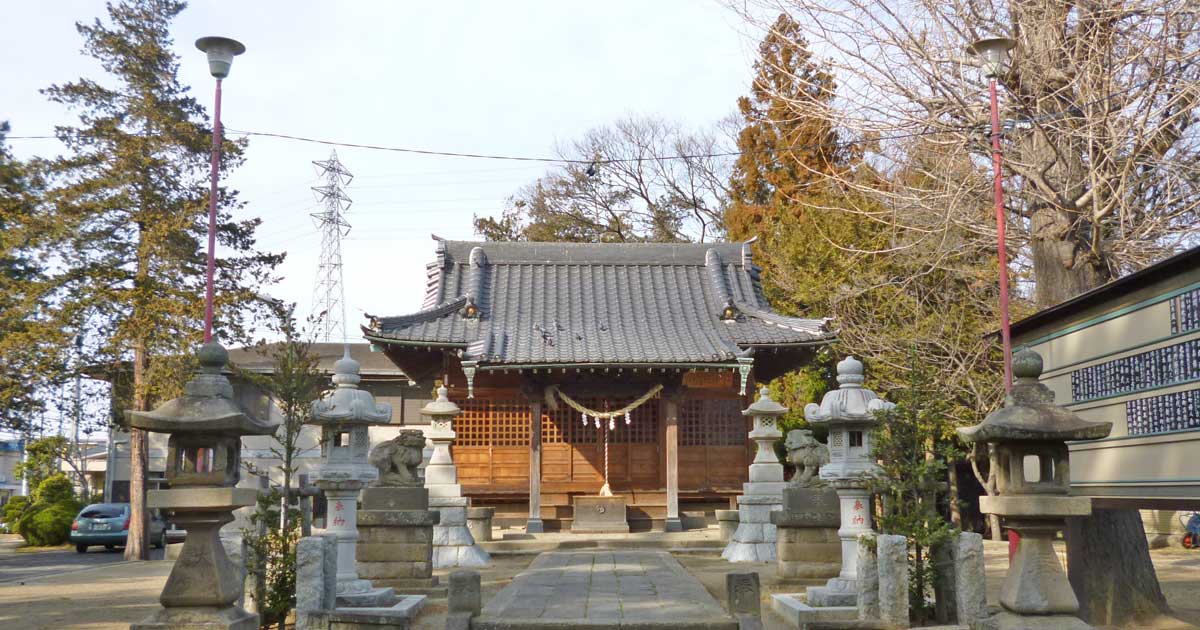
column 599, row 515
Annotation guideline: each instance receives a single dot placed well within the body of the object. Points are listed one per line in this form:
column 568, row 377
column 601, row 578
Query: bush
column 47, row 521
column 11, row 513
column 51, row 526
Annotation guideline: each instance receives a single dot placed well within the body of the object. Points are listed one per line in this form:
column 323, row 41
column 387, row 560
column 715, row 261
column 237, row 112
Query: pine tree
column 130, row 203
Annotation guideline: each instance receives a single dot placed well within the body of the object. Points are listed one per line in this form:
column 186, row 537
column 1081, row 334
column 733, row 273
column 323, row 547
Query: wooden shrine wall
column 573, row 454
column 713, row 450
column 492, row 445
column 491, row 449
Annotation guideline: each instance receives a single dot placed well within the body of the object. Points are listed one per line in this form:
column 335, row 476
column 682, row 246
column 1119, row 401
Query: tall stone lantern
column 849, row 412
column 203, row 458
column 754, row 538
column 345, row 416
column 453, row 544
column 1030, row 433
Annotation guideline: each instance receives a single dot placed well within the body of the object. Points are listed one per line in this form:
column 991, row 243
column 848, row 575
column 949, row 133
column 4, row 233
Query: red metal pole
column 212, row 218
column 998, row 194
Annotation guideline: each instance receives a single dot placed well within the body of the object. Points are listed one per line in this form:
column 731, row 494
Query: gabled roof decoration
column 583, row 303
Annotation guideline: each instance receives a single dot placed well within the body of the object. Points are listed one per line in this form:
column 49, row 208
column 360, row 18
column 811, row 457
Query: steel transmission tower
column 329, row 298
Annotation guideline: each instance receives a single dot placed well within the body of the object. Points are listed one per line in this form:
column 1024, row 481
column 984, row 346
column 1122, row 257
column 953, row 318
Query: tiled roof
column 261, row 359
column 570, row 303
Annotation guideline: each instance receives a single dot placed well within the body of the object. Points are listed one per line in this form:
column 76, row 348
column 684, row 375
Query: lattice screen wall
column 712, row 422
column 565, row 425
column 503, row 422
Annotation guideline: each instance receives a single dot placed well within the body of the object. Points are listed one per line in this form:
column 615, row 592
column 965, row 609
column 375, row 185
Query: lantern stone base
column 754, row 538
column 807, row 542
column 1010, row 621
column 599, row 515
column 395, row 547
column 199, row 618
column 453, row 545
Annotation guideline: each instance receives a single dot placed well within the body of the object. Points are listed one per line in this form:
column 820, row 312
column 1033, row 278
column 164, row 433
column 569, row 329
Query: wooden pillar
column 534, row 525
column 671, row 398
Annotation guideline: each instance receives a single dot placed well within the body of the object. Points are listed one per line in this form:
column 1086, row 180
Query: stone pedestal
column 807, row 544
column 453, row 544
column 855, row 509
column 479, row 521
column 204, row 586
column 395, row 547
column 727, row 521
column 754, row 538
column 599, row 515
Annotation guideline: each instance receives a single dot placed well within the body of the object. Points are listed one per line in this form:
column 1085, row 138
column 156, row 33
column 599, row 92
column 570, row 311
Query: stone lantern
column 849, row 412
column 1030, row 433
column 204, row 454
column 754, row 538
column 453, row 544
column 345, row 416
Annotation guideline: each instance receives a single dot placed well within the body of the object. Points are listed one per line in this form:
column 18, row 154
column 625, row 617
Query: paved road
column 17, row 567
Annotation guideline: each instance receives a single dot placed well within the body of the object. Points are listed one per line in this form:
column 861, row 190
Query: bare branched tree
column 639, row 179
column 1100, row 161
column 1100, row 150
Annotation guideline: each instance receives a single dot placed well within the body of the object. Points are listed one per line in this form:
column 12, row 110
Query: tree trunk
column 1115, row 583
column 135, row 543
column 955, row 508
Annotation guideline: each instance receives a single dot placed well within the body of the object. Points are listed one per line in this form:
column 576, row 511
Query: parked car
column 107, row 524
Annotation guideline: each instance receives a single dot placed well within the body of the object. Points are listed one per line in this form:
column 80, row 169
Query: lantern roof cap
column 765, row 406
column 850, row 402
column 206, row 405
column 441, row 407
column 347, row 404
column 1029, row 412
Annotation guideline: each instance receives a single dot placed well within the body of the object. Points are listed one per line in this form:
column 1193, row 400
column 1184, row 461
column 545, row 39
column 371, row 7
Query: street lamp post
column 220, row 51
column 993, row 54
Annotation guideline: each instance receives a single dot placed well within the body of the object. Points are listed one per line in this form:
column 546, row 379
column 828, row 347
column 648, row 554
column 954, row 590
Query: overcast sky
column 487, row 77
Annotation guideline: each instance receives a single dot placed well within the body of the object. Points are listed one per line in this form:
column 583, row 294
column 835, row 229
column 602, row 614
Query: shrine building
column 578, row 364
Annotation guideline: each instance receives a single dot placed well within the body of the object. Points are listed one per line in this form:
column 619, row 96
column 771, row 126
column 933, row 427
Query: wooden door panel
column 473, row 464
column 643, row 463
column 556, row 462
column 510, row 466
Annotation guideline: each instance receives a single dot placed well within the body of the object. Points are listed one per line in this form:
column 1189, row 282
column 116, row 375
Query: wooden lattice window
column 492, row 423
column 711, row 422
column 564, row 426
column 473, row 426
column 510, row 423
column 643, row 425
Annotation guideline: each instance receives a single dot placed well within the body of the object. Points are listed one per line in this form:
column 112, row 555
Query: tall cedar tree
column 31, row 342
column 130, row 201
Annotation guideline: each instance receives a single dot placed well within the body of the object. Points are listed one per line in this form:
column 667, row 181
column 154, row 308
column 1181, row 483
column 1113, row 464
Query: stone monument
column 807, row 543
column 754, row 538
column 453, row 545
column 203, row 460
column 395, row 526
column 849, row 412
column 1030, row 433
column 345, row 416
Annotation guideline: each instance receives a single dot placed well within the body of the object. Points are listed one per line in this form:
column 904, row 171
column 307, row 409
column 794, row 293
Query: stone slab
column 395, row 498
column 604, row 589
column 396, row 617
column 196, row 499
column 798, row 613
column 371, row 598
column 398, row 518
column 825, row 597
column 1035, row 505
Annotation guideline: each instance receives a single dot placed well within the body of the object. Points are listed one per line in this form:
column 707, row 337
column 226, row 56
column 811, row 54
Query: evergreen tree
column 31, row 344
column 129, row 203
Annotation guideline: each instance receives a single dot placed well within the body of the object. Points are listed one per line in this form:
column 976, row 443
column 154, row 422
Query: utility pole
column 329, row 297
column 75, row 452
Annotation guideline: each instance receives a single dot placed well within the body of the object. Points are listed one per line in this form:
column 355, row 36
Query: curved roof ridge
column 423, row 315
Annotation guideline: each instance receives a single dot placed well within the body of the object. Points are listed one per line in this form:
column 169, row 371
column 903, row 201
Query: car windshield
column 103, row 510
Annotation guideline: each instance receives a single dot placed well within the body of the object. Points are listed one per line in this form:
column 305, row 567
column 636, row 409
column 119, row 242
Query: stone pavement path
column 604, row 589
